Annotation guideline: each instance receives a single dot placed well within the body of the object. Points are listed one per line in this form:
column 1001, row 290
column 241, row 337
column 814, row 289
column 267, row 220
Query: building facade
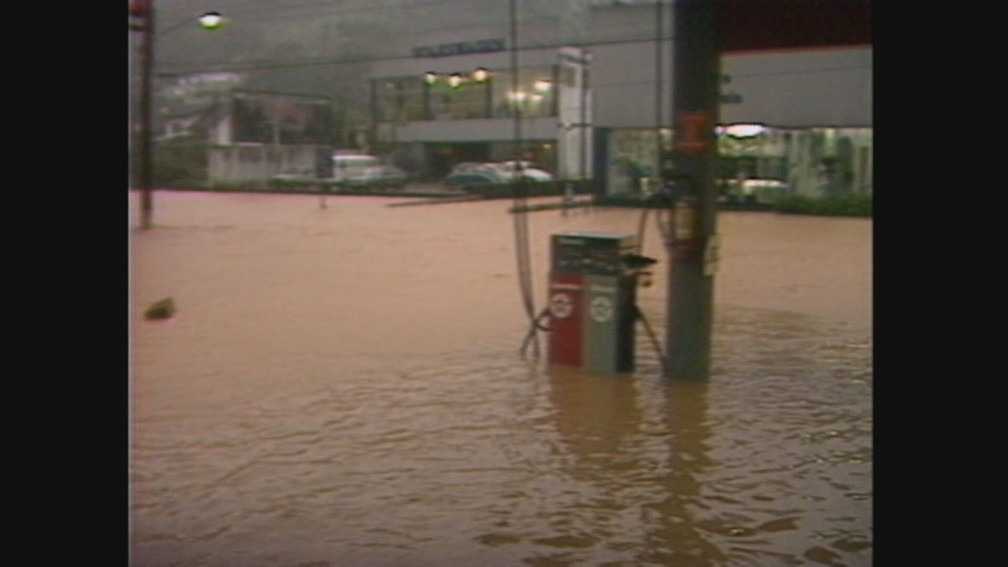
column 614, row 91
column 593, row 100
column 441, row 110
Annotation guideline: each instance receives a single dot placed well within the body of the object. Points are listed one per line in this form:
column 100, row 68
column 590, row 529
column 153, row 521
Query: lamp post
column 141, row 21
column 211, row 21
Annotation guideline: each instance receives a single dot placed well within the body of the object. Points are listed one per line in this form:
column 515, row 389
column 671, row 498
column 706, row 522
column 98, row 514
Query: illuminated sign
column 460, row 48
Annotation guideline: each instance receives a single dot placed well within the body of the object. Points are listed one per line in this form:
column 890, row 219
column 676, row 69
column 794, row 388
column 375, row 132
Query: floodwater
column 344, row 386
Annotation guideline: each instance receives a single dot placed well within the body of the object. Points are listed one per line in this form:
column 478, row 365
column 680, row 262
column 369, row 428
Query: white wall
column 255, row 163
column 831, row 87
column 785, row 89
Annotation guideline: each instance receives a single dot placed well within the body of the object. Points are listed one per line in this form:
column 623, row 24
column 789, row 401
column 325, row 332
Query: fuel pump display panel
column 591, row 254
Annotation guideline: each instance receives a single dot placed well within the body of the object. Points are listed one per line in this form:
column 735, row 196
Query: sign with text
column 693, row 132
column 460, row 48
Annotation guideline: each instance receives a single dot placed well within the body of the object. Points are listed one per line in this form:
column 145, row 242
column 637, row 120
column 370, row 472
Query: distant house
column 193, row 120
column 193, row 105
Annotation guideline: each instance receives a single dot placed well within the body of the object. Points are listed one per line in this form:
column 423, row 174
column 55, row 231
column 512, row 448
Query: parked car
column 466, row 167
column 468, row 173
column 754, row 190
column 510, row 168
column 471, row 173
column 377, row 177
column 294, row 178
column 349, row 163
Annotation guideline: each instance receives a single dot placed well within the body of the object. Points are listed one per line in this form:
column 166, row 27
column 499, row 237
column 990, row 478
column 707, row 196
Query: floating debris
column 163, row 309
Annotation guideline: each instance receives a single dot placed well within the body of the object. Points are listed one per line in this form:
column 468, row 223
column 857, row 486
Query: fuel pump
column 592, row 300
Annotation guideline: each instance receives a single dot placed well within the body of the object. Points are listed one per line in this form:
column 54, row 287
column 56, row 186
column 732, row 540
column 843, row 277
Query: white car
column 378, row 176
column 294, row 178
column 761, row 191
column 509, row 169
column 472, row 173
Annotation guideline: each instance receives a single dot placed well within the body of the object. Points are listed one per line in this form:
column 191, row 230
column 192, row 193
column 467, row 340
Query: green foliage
column 235, row 186
column 293, row 183
column 841, row 206
column 180, row 163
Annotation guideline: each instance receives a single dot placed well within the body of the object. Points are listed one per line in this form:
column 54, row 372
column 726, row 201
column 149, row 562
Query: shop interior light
column 542, row 85
column 457, row 80
column 743, row 130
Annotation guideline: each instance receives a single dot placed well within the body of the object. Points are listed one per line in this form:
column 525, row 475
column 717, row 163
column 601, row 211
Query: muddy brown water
column 344, row 387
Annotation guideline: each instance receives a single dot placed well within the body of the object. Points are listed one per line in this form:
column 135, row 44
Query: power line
column 407, row 18
column 289, row 64
column 317, row 62
column 297, row 63
column 314, row 10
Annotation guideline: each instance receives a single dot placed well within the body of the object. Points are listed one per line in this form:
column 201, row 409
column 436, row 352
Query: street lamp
column 211, row 21
column 141, row 21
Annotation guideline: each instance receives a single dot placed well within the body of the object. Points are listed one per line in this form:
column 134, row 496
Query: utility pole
column 692, row 246
column 141, row 20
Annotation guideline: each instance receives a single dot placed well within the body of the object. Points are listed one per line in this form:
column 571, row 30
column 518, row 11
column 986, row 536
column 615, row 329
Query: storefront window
column 406, row 99
column 535, row 93
column 632, row 162
column 809, row 161
column 399, row 99
column 468, row 101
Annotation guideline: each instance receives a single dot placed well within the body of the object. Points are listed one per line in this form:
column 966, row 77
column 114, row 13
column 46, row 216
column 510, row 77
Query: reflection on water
column 344, row 387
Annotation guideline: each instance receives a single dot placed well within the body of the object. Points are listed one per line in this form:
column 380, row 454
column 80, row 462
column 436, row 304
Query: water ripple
column 288, row 418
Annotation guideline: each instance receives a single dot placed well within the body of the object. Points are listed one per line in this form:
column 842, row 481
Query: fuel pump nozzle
column 638, row 266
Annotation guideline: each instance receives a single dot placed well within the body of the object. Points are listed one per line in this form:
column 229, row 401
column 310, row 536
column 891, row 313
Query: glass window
column 535, row 93
column 399, row 99
column 403, row 99
column 468, row 100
